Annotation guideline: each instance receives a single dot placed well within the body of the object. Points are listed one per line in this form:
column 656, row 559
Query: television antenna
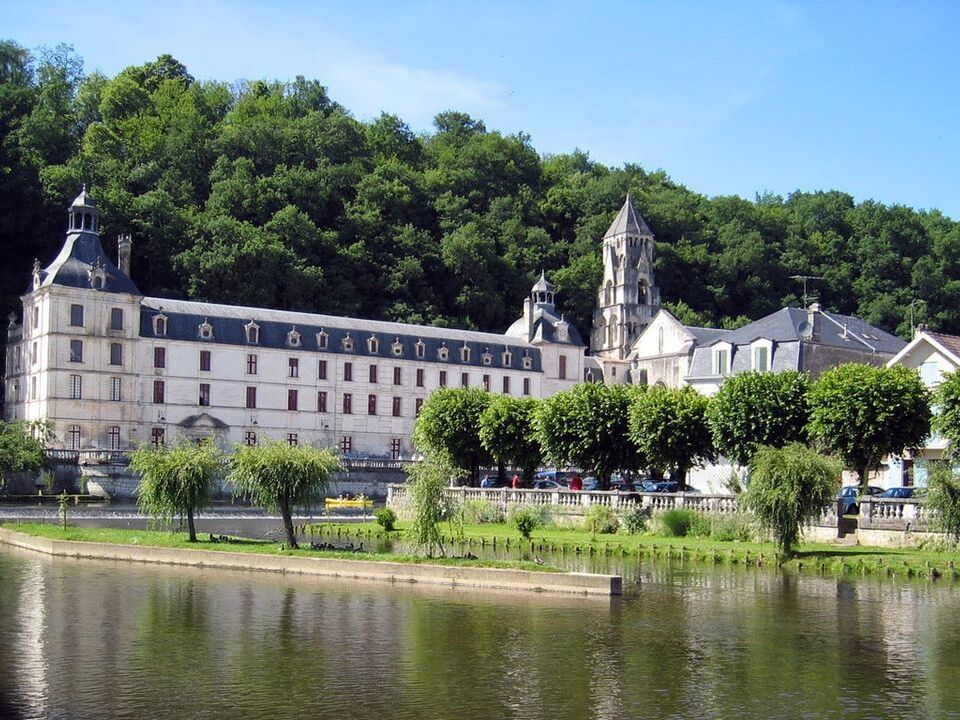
column 804, row 279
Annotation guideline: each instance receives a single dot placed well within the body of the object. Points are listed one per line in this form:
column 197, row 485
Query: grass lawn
column 812, row 556
column 160, row 538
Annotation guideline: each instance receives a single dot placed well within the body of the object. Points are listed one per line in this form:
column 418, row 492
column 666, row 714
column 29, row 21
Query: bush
column 636, row 522
column 483, row 512
column 682, row 522
column 943, row 499
column 526, row 520
column 601, row 520
column 386, row 518
column 732, row 528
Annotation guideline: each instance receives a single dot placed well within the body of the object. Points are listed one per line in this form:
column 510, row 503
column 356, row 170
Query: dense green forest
column 272, row 194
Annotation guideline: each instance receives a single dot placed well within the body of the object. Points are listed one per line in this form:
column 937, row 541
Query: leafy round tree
column 754, row 408
column 279, row 476
column 20, row 448
column 507, row 431
column 176, row 480
column 862, row 413
column 947, row 422
column 789, row 488
column 669, row 427
column 448, row 428
column 588, row 427
column 943, row 499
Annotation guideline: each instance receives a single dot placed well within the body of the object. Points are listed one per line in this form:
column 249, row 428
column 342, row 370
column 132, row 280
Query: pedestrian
column 515, row 483
column 576, row 482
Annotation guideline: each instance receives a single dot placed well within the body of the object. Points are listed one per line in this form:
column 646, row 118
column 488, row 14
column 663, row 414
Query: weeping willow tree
column 279, row 476
column 427, row 484
column 789, row 487
column 176, row 480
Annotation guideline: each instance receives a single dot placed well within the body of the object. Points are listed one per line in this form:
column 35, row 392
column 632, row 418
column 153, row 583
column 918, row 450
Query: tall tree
column 448, row 428
column 508, row 432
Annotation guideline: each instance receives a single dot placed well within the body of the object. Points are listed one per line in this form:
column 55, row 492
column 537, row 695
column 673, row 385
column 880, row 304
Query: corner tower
column 628, row 297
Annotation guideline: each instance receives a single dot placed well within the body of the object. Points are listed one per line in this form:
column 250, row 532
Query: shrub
column 635, row 522
column 682, row 522
column 732, row 528
column 943, row 499
column 526, row 520
column 601, row 520
column 483, row 512
column 386, row 518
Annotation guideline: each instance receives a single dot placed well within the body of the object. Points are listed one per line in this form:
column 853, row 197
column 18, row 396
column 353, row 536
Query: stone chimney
column 124, row 243
column 812, row 313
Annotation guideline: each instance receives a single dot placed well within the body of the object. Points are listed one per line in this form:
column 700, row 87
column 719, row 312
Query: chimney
column 123, row 253
column 812, row 313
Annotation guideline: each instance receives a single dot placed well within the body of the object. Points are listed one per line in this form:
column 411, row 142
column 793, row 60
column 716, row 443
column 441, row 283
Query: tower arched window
column 608, row 293
column 660, row 341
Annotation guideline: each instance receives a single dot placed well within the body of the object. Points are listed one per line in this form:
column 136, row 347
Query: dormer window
column 486, row 358
column 762, row 354
column 97, row 275
column 205, row 330
column 373, row 344
column 293, row 338
column 253, row 332
column 527, row 361
column 721, row 359
column 506, row 358
column 421, row 348
column 397, row 348
column 323, row 340
column 465, row 354
column 347, row 343
column 160, row 325
column 443, row 353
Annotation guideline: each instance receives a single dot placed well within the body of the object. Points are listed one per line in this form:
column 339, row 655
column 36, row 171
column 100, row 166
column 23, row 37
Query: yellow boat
column 360, row 502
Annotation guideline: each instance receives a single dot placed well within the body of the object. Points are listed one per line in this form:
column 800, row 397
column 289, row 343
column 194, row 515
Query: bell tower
column 628, row 298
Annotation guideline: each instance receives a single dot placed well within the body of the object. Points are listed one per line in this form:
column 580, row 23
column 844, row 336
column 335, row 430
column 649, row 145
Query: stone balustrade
column 892, row 514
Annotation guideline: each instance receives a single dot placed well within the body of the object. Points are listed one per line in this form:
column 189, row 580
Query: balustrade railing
column 892, row 513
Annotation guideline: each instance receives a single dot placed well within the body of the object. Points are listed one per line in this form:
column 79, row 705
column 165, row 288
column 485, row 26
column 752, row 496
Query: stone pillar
column 124, row 243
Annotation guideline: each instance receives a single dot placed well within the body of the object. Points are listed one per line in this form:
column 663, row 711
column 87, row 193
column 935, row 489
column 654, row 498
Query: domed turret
column 542, row 292
column 82, row 215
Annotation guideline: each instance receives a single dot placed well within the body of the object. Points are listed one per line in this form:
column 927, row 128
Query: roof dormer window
column 721, row 359
column 293, row 337
column 443, row 353
column 421, row 348
column 761, row 353
column 527, row 361
column 160, row 325
column 397, row 347
column 347, row 343
column 506, row 358
column 253, row 332
column 323, row 340
column 373, row 345
column 205, row 330
column 465, row 354
column 486, row 358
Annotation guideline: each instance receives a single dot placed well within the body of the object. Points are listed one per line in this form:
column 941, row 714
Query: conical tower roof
column 542, row 285
column 628, row 220
column 83, row 199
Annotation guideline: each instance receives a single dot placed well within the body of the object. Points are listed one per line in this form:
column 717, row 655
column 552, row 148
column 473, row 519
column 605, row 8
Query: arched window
column 642, row 292
column 608, row 293
column 660, row 341
column 253, row 332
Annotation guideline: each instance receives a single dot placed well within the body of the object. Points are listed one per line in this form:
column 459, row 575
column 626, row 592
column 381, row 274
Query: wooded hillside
column 272, row 194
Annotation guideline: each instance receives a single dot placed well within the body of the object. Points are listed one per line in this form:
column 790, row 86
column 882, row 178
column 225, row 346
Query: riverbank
column 817, row 557
column 237, row 553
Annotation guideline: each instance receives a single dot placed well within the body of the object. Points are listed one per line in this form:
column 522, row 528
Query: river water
column 90, row 639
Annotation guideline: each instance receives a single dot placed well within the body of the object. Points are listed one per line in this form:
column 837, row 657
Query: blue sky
column 728, row 98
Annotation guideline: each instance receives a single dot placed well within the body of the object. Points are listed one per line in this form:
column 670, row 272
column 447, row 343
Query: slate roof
column 229, row 327
column 628, row 220
column 950, row 342
column 82, row 251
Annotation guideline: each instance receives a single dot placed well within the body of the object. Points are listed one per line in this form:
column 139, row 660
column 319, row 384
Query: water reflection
column 104, row 640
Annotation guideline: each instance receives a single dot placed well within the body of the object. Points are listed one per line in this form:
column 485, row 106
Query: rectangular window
column 113, row 437
column 506, row 385
column 346, row 444
column 443, row 378
column 33, row 353
column 322, row 370
column 205, row 361
column 76, row 315
column 76, row 387
column 116, row 354
column 419, row 377
column 720, row 361
column 293, row 367
column 464, row 379
column 251, row 364
column 158, row 391
column 322, row 401
column 76, row 351
column 347, row 403
column 115, row 389
column 291, row 399
column 563, row 367
column 159, row 357
column 371, row 405
column 116, row 319
column 73, row 437
column 249, row 437
column 396, row 407
column 417, row 406
column 251, row 398
column 33, row 388
column 486, row 383
column 526, row 386
column 292, row 439
column 397, row 376
column 373, row 373
column 348, row 371
column 395, row 449
column 157, row 436
column 204, row 394
column 761, row 359
column 36, row 318
column 930, row 373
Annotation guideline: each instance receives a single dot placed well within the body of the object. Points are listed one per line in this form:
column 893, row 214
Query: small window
column 253, row 332
column 486, row 383
column 506, row 385
column 293, row 338
column 396, row 407
column 76, row 387
column 526, row 386
column 33, row 388
column 395, row 445
column 73, row 437
column 346, row 444
column 158, row 391
column 660, row 341
column 443, row 353
column 249, row 438
column 116, row 319
column 113, row 437
column 115, row 389
column 443, row 378
column 76, row 351
column 397, row 348
column 348, row 372
column 116, row 354
column 251, row 364
column 371, row 405
column 420, row 374
column 160, row 325
column 205, row 361
column 205, row 330
column 563, row 367
column 291, row 399
column 204, row 400
column 251, row 397
column 930, row 373
column 373, row 345
column 418, row 406
column 347, row 343
column 157, row 436
column 322, row 401
column 465, row 354
column 292, row 439
column 36, row 318
column 76, row 315
column 323, row 340
column 33, row 353
column 721, row 361
column 159, row 357
column 373, row 373
column 421, row 349
column 322, row 370
column 761, row 359
column 293, row 367
column 397, row 376
column 507, row 358
column 527, row 362
column 464, row 379
column 347, row 403
column 486, row 358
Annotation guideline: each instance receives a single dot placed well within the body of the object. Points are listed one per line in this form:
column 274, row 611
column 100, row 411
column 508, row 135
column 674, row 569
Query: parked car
column 664, row 486
column 850, row 494
column 899, row 492
column 591, row 483
column 548, row 485
column 493, row 481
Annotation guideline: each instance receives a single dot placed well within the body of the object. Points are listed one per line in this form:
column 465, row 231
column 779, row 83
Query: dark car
column 850, row 495
column 664, row 486
column 901, row 493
